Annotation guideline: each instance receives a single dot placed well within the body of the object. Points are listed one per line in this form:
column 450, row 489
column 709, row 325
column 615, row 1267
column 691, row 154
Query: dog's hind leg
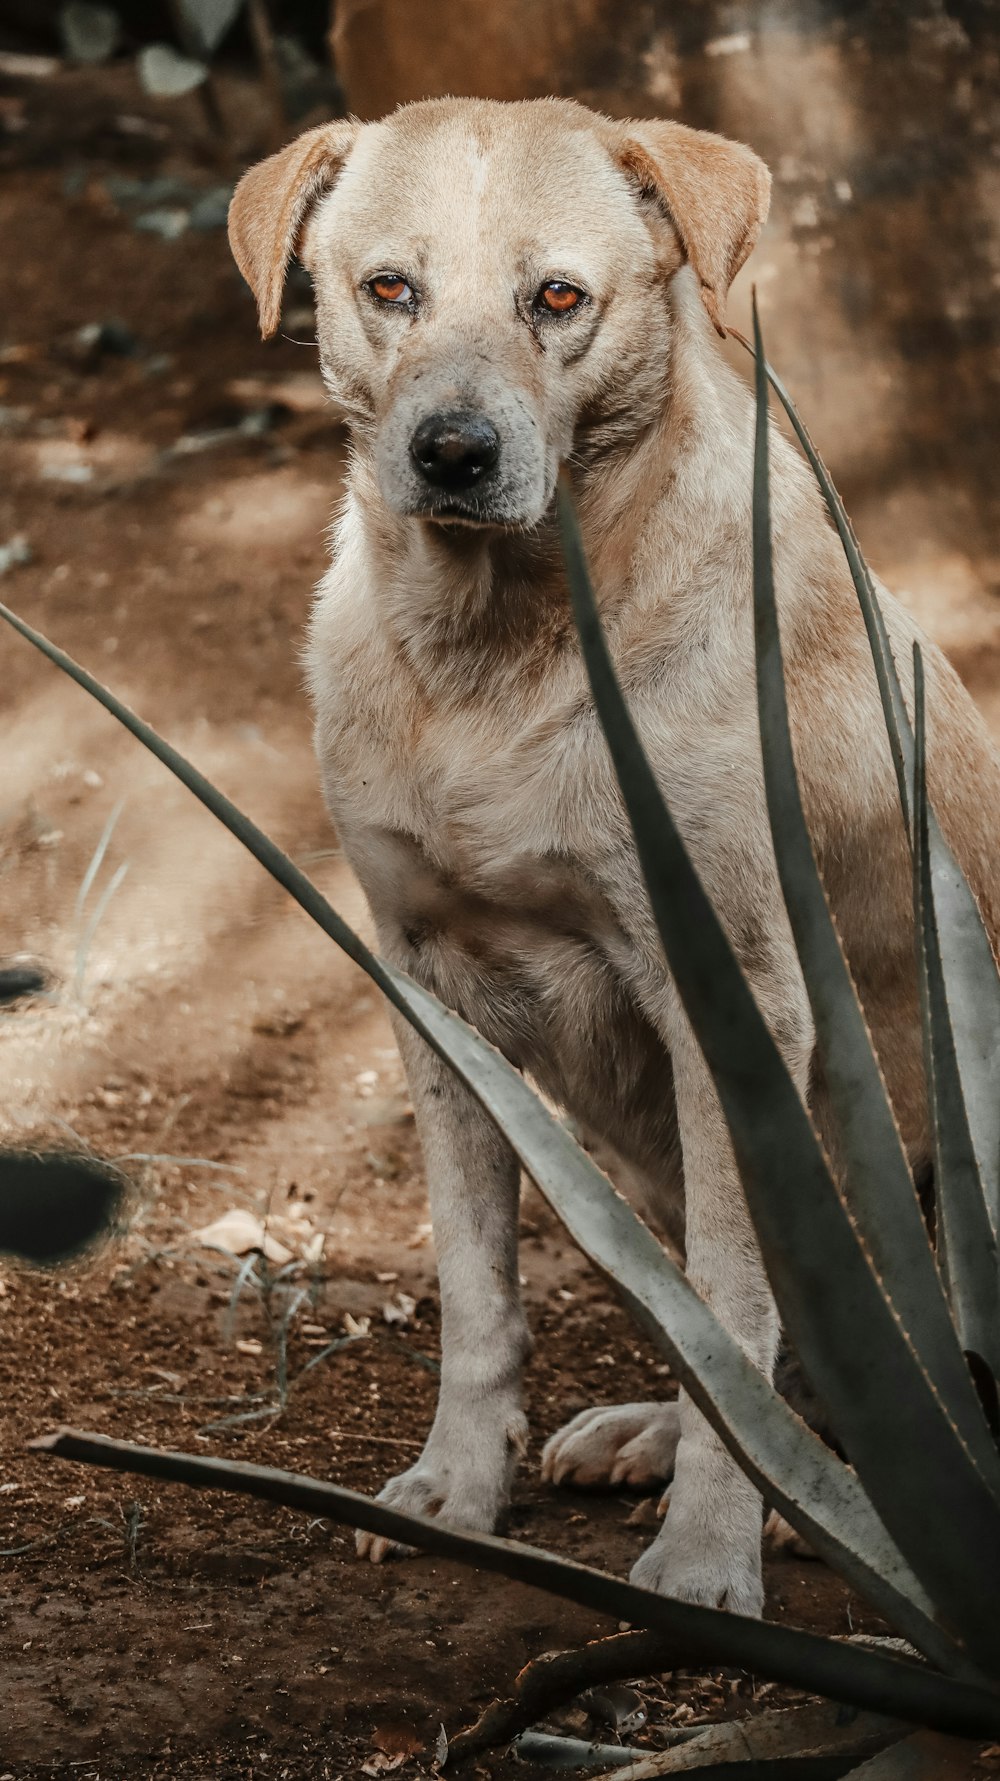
column 479, row 1430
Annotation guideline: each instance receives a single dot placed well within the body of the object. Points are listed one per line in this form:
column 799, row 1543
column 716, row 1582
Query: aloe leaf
column 207, row 21
column 924, row 1757
column 550, row 1752
column 816, row 1493
column 876, row 1174
column 893, row 704
column 966, row 1243
column 845, row 1329
column 972, row 984
column 827, row 1666
column 970, row 987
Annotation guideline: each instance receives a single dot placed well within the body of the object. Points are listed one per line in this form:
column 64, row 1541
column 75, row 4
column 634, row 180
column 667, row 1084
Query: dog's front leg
column 479, row 1431
column 708, row 1549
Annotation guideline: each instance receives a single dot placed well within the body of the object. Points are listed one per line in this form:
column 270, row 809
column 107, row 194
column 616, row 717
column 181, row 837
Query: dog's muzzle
column 455, row 452
column 462, row 458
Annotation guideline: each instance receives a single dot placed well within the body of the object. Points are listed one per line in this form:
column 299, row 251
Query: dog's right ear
column 714, row 192
column 271, row 203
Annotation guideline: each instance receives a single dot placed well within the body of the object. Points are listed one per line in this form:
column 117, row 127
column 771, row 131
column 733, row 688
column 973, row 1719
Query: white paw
column 785, row 1539
column 708, row 1549
column 469, row 1489
column 613, row 1445
column 712, row 1574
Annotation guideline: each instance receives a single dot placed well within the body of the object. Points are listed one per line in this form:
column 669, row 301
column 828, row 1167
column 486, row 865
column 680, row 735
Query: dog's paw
column 785, row 1539
column 470, row 1491
column 614, row 1445
column 714, row 1576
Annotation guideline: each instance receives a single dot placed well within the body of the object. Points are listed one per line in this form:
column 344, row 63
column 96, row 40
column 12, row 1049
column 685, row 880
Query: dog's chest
column 461, row 824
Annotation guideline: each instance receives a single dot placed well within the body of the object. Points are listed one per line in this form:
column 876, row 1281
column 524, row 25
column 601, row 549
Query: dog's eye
column 388, row 287
column 558, row 297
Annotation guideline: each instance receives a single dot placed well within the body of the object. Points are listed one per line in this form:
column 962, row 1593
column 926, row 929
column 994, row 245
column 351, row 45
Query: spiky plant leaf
column 972, row 985
column 877, row 1179
column 846, row 1330
column 920, row 1758
column 814, row 1491
column 965, row 1235
column 866, row 1678
column 207, row 21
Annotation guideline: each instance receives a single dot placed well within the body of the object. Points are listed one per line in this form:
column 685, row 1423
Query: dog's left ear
column 270, row 206
column 715, row 192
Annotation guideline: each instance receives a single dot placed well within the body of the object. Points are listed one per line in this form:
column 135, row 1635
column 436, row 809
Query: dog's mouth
column 460, row 518
column 454, row 514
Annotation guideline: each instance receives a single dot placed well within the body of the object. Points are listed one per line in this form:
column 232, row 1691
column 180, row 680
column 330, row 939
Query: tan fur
column 716, row 193
column 462, row 759
column 269, row 205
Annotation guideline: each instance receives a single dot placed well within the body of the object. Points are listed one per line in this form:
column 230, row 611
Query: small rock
column 615, row 1706
column 86, row 347
column 736, row 44
column 162, row 188
column 170, row 223
column 15, row 553
column 211, row 210
column 68, row 472
column 400, row 1309
column 24, row 67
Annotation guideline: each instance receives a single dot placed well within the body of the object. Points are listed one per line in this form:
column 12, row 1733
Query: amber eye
column 558, row 297
column 388, row 287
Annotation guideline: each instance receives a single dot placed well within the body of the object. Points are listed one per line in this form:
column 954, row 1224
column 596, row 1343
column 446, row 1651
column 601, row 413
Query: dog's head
column 491, row 282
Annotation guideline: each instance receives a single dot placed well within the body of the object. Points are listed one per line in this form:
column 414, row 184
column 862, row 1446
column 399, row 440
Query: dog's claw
column 467, row 1496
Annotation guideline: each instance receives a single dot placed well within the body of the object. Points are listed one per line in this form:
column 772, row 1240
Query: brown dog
column 501, row 288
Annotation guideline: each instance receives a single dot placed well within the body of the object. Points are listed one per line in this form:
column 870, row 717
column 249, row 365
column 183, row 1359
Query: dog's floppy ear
column 715, row 192
column 270, row 205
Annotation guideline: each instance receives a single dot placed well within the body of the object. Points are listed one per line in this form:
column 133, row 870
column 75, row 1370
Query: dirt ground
column 173, row 483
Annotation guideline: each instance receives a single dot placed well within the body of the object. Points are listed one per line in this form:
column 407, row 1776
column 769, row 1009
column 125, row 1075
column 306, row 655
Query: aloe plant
column 900, row 1341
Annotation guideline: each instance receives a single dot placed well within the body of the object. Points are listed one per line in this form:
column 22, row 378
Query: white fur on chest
column 472, row 780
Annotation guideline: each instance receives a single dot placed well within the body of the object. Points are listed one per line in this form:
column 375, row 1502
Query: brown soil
column 158, row 1631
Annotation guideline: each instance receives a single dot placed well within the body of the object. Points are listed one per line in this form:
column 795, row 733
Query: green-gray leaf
column 207, row 21
column 885, row 1409
column 876, row 1175
column 971, row 981
column 966, row 1242
column 828, row 1666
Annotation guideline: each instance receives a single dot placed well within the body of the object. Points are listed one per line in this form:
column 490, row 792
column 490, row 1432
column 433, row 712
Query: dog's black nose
column 455, row 450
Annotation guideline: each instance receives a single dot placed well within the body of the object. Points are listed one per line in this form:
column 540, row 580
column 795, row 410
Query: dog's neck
column 469, row 607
